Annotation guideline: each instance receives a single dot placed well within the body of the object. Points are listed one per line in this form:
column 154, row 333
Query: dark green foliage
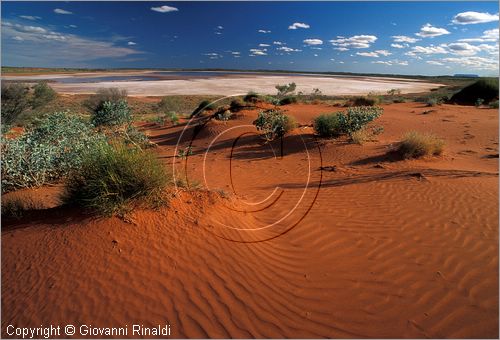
column 486, row 88
column 338, row 123
column 94, row 103
column 42, row 95
column 274, row 124
column 204, row 105
column 236, row 105
column 288, row 100
column 112, row 114
column 113, row 176
column 364, row 101
column 251, row 97
column 46, row 152
column 14, row 102
column 329, row 125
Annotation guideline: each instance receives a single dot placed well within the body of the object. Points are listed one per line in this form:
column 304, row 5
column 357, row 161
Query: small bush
column 113, row 95
column 204, row 105
column 486, row 89
column 494, row 104
column 431, row 102
column 236, row 105
column 416, row 144
column 113, row 176
column 354, row 119
column 360, row 136
column 251, row 97
column 46, row 152
column 112, row 114
column 14, row 102
column 274, row 124
column 365, row 101
column 329, row 125
column 283, row 90
column 479, row 102
column 42, row 95
column 288, row 100
column 223, row 113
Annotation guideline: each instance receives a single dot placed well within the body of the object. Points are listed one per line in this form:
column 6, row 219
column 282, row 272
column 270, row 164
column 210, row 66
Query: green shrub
column 14, row 102
column 479, row 102
column 223, row 113
column 274, row 124
column 112, row 114
column 486, row 89
column 494, row 104
column 431, row 102
column 251, row 97
column 416, row 144
column 365, row 101
column 204, row 105
column 46, row 152
column 95, row 101
column 236, row 105
column 283, row 90
column 113, row 176
column 288, row 100
column 354, row 119
column 42, row 95
column 329, row 125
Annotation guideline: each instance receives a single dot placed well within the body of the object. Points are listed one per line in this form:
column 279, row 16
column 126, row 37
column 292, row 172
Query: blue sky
column 431, row 38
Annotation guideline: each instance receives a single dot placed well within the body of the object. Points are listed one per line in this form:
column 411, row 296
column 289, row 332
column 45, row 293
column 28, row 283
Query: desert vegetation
column 274, row 124
column 416, row 144
column 485, row 89
column 349, row 122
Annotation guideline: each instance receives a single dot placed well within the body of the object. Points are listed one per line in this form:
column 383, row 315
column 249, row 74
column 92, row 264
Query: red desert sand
column 333, row 240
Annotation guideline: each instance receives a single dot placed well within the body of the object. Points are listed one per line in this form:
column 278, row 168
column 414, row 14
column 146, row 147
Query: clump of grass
column 360, row 136
column 204, row 105
column 113, row 177
column 416, row 145
column 365, row 101
column 16, row 207
column 251, row 97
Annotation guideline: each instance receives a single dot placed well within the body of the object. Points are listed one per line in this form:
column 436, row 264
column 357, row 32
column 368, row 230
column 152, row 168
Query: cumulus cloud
column 434, row 62
column 391, row 62
column 488, row 35
column 479, row 63
column 296, row 25
column 374, row 54
column 258, row 52
column 264, row 31
column 416, row 50
column 43, row 46
column 278, row 43
column 400, row 45
column 342, row 49
column 131, row 43
column 213, row 55
column 467, row 18
column 313, row 42
column 62, row 11
column 30, row 17
column 288, row 49
column 404, row 39
column 164, row 9
column 264, row 45
column 357, row 41
column 429, row 31
column 462, row 48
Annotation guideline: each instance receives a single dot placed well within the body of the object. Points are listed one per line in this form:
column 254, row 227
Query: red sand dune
column 370, row 246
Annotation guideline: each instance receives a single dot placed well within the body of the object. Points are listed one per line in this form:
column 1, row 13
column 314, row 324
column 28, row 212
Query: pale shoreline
column 239, row 84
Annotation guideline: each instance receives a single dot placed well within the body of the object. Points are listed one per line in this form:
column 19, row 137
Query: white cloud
column 400, row 45
column 164, row 9
column 368, row 54
column 296, row 25
column 391, row 62
column 341, row 49
column 264, row 31
column 220, row 27
column 51, row 48
column 278, row 43
column 213, row 55
column 434, row 62
column 316, row 48
column 357, row 41
column 264, row 45
column 313, row 42
column 315, row 55
column 374, row 54
column 404, row 39
column 62, row 11
column 131, row 43
column 479, row 63
column 30, row 17
column 416, row 50
column 288, row 49
column 467, row 18
column 388, row 63
column 488, row 35
column 72, row 26
column 429, row 31
column 462, row 48
column 258, row 52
